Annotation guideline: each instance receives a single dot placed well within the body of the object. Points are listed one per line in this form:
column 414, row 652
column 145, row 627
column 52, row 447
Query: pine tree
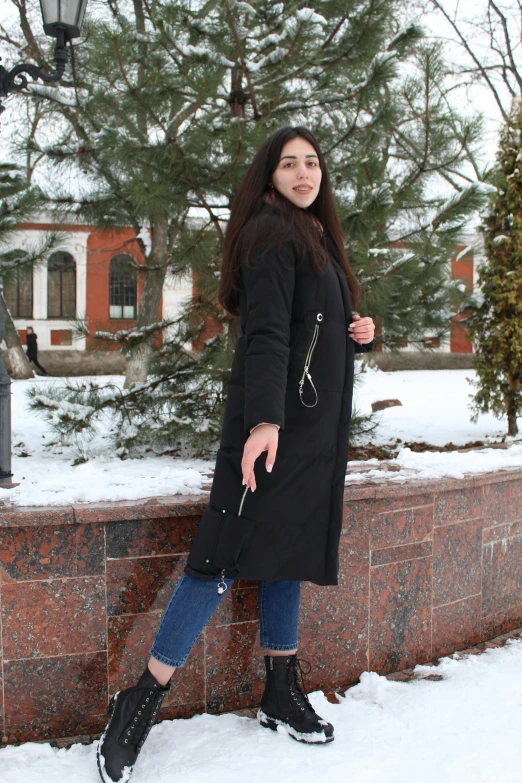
column 171, row 102
column 496, row 323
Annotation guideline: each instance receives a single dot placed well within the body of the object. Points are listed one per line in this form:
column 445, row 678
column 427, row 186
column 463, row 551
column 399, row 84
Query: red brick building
column 95, row 276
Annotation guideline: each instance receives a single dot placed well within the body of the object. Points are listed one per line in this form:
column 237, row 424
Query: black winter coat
column 291, row 318
column 32, row 346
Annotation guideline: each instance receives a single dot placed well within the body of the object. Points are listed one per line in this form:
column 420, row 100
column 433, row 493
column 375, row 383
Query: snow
column 463, row 728
column 309, row 15
column 48, row 477
column 434, row 407
column 437, row 464
column 434, row 410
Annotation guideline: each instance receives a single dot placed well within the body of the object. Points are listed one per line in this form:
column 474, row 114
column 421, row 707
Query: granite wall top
column 194, row 505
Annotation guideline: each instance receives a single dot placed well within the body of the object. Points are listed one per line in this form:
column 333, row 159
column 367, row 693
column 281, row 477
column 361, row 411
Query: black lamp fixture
column 62, row 19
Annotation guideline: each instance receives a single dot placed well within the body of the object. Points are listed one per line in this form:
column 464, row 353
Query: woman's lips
column 302, row 189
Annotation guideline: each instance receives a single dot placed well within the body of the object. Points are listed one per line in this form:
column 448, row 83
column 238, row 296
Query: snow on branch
column 56, row 94
column 388, row 269
column 129, row 335
column 309, row 15
column 270, row 59
column 200, row 51
column 462, row 253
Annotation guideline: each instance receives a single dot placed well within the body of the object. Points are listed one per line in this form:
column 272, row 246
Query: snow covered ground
column 465, row 728
column 434, row 409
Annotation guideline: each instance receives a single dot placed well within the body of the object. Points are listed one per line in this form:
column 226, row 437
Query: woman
column 286, row 275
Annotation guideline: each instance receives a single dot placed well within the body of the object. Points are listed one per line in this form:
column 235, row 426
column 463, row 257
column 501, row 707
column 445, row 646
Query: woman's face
column 298, row 174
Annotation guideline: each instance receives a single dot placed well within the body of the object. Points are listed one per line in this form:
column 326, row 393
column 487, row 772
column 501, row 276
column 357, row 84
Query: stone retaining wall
column 426, row 568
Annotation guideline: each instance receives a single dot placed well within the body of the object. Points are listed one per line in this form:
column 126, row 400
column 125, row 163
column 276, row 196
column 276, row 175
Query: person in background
column 32, row 349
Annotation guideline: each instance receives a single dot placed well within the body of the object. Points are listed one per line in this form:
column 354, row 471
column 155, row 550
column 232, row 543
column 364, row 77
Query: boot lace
column 298, row 689
column 143, row 718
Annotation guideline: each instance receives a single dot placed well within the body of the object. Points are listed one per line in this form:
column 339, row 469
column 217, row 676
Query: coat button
column 319, row 317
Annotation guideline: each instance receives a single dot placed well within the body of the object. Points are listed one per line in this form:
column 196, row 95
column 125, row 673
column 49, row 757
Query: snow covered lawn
column 434, row 409
column 465, row 728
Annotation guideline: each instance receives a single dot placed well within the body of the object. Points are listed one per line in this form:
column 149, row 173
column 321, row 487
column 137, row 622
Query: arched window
column 18, row 289
column 122, row 287
column 61, row 286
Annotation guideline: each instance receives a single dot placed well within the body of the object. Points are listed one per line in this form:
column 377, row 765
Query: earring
column 270, row 185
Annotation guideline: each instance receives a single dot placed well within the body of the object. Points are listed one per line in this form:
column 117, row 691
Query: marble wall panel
column 403, row 525
column 61, row 696
column 456, row 626
column 396, row 554
column 400, row 615
column 29, row 553
column 502, row 574
column 503, row 501
column 58, row 617
column 234, row 667
column 354, row 546
column 129, row 640
column 333, row 631
column 143, row 584
column 139, row 538
column 502, row 621
column 457, row 561
column 456, row 505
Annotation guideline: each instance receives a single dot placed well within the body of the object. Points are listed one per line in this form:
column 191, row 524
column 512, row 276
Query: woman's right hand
column 265, row 437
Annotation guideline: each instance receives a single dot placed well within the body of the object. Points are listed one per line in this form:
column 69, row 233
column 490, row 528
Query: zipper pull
column 222, row 586
column 271, row 663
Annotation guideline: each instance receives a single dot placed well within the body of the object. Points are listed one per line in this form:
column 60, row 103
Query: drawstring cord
column 222, row 585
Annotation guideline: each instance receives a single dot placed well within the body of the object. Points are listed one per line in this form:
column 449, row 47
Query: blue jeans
column 193, row 603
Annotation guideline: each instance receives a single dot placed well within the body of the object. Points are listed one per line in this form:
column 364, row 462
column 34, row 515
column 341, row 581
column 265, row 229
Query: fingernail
column 269, row 468
column 243, row 482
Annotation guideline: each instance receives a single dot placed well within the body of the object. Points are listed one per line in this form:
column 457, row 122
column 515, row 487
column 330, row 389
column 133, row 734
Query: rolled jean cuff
column 278, row 647
column 161, row 658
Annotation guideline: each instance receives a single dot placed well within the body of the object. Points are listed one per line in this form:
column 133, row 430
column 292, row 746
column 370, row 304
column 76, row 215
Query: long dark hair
column 254, row 213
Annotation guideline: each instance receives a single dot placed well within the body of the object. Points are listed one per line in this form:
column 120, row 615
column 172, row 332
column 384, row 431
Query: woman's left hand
column 362, row 329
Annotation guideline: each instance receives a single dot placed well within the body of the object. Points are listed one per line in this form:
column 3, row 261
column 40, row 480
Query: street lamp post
column 62, row 19
column 5, row 414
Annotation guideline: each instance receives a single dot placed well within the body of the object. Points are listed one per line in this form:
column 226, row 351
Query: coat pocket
column 218, row 543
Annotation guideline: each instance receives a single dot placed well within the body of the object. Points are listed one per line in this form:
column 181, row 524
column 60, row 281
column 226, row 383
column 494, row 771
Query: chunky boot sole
column 309, row 738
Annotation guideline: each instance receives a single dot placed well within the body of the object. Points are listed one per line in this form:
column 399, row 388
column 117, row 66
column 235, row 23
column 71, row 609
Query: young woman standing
column 286, row 275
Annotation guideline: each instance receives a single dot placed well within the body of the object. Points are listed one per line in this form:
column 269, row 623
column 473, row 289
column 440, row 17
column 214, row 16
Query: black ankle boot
column 285, row 703
column 132, row 713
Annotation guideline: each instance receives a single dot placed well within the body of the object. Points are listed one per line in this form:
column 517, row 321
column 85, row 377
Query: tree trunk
column 139, row 359
column 20, row 369
column 512, row 419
